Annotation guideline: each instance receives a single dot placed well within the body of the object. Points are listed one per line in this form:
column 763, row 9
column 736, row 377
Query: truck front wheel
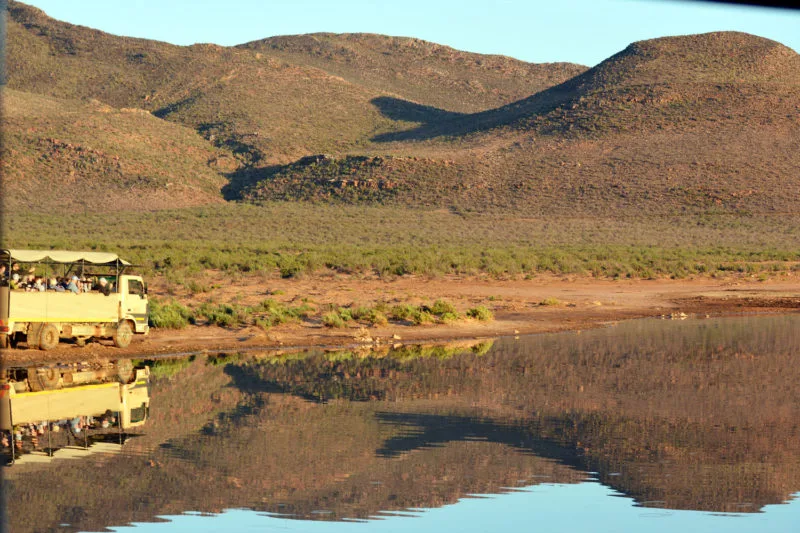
column 48, row 338
column 123, row 334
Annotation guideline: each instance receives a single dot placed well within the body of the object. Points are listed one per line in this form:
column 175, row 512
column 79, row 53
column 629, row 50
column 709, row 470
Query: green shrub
column 480, row 313
column 223, row 315
column 195, row 287
column 377, row 318
column 360, row 313
column 270, row 313
column 402, row 312
column 441, row 308
column 446, row 318
column 290, row 267
column 421, row 316
column 166, row 368
column 483, row 347
column 332, row 319
column 172, row 315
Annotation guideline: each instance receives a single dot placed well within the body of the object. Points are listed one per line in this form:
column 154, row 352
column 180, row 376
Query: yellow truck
column 114, row 395
column 41, row 314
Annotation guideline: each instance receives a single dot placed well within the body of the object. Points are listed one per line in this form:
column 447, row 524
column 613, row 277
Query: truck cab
column 133, row 302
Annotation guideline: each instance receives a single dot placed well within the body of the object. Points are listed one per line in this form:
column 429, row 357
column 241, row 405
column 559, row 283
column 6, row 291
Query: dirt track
column 517, row 304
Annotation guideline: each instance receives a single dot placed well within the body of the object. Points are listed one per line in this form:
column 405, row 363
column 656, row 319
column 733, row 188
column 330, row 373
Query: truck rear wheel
column 40, row 379
column 48, row 338
column 123, row 334
column 32, row 338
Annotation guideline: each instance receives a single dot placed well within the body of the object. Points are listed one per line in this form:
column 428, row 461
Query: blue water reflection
column 587, row 506
column 650, row 425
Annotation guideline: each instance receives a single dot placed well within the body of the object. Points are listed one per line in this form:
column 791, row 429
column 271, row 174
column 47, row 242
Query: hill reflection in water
column 680, row 415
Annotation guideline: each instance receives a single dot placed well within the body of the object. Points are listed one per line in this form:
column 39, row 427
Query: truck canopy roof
column 61, row 256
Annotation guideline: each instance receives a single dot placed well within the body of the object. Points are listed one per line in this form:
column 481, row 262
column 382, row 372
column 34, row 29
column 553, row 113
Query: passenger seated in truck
column 104, row 286
column 29, row 284
column 14, row 283
column 73, row 285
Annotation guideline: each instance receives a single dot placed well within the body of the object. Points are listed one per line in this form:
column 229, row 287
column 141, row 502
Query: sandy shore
column 518, row 307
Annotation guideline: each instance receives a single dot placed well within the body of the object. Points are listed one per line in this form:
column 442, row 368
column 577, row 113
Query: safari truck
column 115, row 306
column 112, row 395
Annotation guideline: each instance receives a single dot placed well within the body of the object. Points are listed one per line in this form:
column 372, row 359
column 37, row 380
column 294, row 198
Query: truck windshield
column 139, row 414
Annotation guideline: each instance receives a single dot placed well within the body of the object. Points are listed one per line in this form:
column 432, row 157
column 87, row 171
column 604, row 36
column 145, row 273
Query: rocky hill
column 669, row 125
column 87, row 156
column 674, row 124
column 264, row 101
column 418, row 70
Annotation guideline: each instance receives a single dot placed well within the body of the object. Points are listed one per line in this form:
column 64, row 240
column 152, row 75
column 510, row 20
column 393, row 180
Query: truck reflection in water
column 70, row 410
column 697, row 415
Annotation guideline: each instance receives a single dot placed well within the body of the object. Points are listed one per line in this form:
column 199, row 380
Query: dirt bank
column 572, row 303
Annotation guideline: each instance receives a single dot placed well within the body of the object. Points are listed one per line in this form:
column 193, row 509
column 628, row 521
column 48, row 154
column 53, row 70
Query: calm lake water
column 649, row 425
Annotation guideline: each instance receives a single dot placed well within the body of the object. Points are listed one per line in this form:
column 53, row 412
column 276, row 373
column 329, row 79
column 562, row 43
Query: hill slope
column 668, row 125
column 421, row 71
column 90, row 156
column 691, row 123
column 265, row 103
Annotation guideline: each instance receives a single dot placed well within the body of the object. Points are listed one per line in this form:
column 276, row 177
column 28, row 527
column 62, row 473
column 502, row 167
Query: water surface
column 651, row 424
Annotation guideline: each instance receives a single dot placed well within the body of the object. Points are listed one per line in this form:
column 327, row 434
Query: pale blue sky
column 579, row 31
column 542, row 508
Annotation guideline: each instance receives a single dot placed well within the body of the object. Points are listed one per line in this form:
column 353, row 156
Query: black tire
column 125, row 371
column 123, row 335
column 40, row 379
column 32, row 338
column 48, row 337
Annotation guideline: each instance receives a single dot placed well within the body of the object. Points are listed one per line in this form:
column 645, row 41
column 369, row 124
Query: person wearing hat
column 104, row 286
column 72, row 286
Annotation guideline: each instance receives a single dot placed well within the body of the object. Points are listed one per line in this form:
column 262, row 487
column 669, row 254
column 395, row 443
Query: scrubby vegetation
column 440, row 311
column 266, row 314
column 171, row 315
column 481, row 313
column 287, row 240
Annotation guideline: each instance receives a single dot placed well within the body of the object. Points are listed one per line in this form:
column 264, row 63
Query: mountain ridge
column 673, row 124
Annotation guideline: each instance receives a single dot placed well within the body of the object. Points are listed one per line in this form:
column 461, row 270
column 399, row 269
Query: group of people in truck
column 29, row 281
column 26, row 438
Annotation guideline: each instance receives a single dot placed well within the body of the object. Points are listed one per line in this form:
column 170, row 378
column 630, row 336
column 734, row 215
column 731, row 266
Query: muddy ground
column 582, row 303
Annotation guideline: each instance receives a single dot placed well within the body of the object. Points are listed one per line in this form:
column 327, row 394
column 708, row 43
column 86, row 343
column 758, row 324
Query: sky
column 577, row 31
column 553, row 508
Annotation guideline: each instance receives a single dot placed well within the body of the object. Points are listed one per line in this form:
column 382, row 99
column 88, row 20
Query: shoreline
column 575, row 304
